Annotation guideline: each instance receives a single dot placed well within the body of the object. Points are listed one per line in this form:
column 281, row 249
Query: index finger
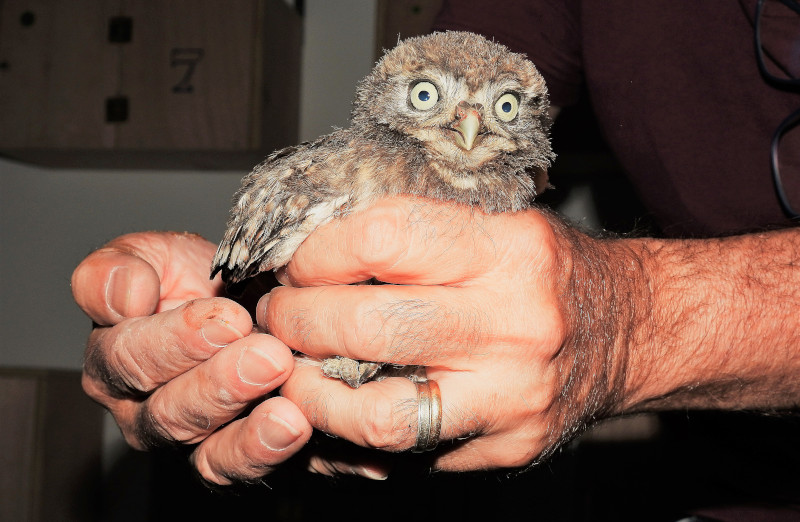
column 398, row 240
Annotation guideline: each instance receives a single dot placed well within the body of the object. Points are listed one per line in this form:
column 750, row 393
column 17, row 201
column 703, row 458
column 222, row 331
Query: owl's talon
column 354, row 373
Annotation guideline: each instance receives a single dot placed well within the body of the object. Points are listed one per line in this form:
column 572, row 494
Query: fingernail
column 371, row 473
column 261, row 311
column 118, row 290
column 258, row 368
column 219, row 333
column 282, row 277
column 276, row 433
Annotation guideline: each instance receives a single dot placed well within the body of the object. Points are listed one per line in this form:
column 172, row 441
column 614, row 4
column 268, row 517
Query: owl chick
column 450, row 116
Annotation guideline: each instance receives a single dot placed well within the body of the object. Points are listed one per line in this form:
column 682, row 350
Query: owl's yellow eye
column 507, row 106
column 424, row 95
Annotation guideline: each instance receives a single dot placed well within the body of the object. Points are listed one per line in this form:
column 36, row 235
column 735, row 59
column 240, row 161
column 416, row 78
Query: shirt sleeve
column 547, row 31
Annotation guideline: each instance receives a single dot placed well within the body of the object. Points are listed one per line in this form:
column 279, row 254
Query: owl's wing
column 279, row 204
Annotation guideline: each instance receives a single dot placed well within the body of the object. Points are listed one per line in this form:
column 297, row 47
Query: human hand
column 173, row 362
column 522, row 321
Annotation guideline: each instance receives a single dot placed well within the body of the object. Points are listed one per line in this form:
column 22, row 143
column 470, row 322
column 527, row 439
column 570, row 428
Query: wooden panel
column 399, row 19
column 188, row 74
column 56, row 69
column 200, row 83
column 278, row 77
column 17, row 443
column 50, row 445
column 71, row 451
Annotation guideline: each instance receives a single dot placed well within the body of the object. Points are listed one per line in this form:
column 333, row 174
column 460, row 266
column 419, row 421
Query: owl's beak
column 468, row 124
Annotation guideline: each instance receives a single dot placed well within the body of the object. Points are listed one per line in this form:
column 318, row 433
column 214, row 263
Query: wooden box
column 138, row 83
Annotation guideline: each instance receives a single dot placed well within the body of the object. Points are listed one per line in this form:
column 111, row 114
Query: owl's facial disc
column 468, row 123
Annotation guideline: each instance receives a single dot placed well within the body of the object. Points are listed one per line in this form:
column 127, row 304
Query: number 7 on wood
column 188, row 57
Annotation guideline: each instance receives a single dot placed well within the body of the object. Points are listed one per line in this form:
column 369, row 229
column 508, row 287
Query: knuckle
column 359, row 326
column 95, row 364
column 525, row 446
column 553, row 331
column 278, row 312
column 149, row 430
column 558, row 326
column 207, row 472
column 185, row 425
column 383, row 426
column 380, row 245
column 156, row 426
column 93, row 388
column 515, row 450
column 107, row 361
column 280, row 318
column 132, row 438
column 124, row 367
column 514, row 459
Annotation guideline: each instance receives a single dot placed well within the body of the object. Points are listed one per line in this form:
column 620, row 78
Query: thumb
column 111, row 285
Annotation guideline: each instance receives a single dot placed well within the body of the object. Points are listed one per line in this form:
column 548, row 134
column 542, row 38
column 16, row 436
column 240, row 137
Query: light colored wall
column 51, row 218
column 338, row 51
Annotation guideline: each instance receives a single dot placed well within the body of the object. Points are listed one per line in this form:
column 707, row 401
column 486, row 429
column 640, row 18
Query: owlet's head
column 467, row 101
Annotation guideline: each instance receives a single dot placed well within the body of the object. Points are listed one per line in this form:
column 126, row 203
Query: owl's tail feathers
column 230, row 260
column 233, row 286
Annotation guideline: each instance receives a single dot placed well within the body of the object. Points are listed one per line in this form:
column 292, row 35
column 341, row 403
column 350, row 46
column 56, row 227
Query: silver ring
column 429, row 416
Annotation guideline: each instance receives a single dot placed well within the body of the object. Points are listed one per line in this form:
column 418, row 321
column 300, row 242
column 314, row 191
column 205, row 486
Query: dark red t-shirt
column 677, row 92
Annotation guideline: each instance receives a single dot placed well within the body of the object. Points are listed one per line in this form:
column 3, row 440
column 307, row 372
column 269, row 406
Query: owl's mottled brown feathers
column 457, row 148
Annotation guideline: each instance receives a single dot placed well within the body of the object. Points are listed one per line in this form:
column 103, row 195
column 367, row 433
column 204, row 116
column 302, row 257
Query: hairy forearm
column 722, row 329
column 654, row 324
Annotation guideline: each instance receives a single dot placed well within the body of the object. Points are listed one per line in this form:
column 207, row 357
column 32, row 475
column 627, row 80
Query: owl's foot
column 354, row 373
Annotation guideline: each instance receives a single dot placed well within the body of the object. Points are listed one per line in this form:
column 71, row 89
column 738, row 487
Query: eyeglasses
column 789, row 82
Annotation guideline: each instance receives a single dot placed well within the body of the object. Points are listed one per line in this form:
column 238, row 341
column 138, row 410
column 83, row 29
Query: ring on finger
column 429, row 415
